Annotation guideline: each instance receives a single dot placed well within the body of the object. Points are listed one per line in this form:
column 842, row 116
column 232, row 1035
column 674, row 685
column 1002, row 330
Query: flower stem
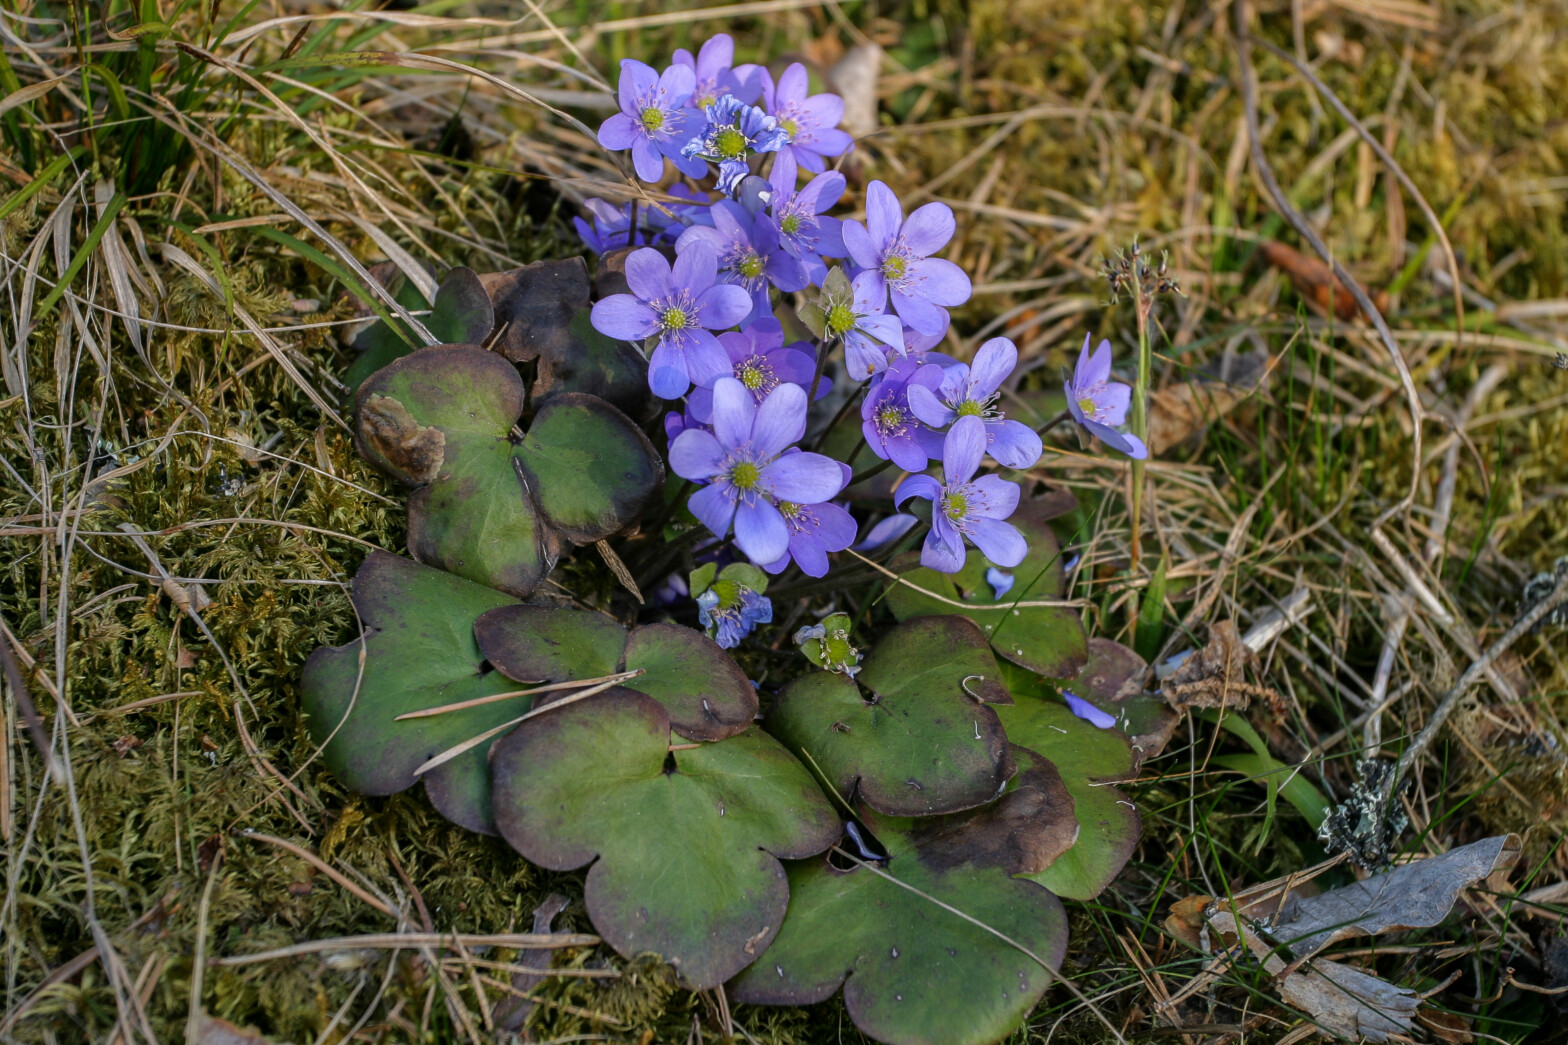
column 1142, row 304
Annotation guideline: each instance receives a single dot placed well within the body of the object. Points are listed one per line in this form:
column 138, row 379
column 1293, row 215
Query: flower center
column 789, row 126
column 841, row 319
column 971, row 408
column 955, row 505
column 745, row 475
column 756, row 374
column 652, row 119
column 791, row 224
column 729, row 144
column 894, row 267
column 1088, row 406
column 892, row 419
column 674, row 318
column 751, row 265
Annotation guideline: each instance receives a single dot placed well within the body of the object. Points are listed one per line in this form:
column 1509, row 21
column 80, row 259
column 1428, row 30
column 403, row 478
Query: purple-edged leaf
column 534, row 306
column 703, row 690
column 1023, row 832
column 1047, row 640
column 913, row 971
column 439, row 420
column 685, row 845
column 419, row 652
column 539, row 644
column 590, row 469
column 1085, row 757
column 909, row 739
column 598, row 365
column 1113, row 680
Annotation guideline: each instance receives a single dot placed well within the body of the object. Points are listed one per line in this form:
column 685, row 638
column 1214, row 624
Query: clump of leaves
column 490, row 505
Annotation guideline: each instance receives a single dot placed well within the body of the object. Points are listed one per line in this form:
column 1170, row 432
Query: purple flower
column 714, row 75
column 747, row 470
column 895, row 255
column 961, row 508
column 761, row 361
column 891, row 428
column 1000, row 581
column 749, row 255
column 811, row 123
column 680, row 304
column 815, row 530
column 972, row 392
column 804, row 230
column 734, row 132
column 653, row 119
column 730, row 623
column 841, row 311
column 1088, row 712
column 1098, row 403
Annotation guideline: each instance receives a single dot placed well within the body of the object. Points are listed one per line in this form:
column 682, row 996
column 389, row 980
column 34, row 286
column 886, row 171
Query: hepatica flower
column 967, row 391
column 747, row 471
column 814, row 531
column 1100, row 404
column 761, row 362
column 890, row 426
column 680, row 305
column 965, row 508
column 714, row 75
column 730, row 601
column 749, row 255
column 734, row 133
column 654, row 121
column 810, row 122
column 894, row 255
column 805, row 232
column 844, row 312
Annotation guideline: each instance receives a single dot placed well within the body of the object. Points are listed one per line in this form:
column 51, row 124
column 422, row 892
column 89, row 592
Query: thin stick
column 473, row 742
column 401, row 941
column 463, row 705
column 325, row 868
column 198, row 966
column 1445, row 707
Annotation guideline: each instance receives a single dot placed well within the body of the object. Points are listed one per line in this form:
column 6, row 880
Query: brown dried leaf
column 1316, row 282
column 1347, row 1002
column 210, row 1030
column 1342, row 1000
column 1213, row 677
column 1185, row 922
column 1416, row 895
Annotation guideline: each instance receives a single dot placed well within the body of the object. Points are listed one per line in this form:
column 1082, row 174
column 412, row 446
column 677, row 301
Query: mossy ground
column 1134, row 131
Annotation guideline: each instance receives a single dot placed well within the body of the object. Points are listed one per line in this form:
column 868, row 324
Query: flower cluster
column 728, row 261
